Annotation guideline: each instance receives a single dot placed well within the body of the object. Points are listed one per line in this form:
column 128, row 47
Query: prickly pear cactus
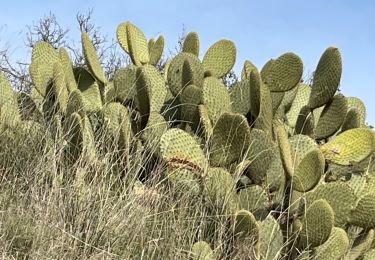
column 273, row 168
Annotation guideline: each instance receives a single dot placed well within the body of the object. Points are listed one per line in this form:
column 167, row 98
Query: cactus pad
column 156, row 51
column 240, row 97
column 248, row 66
column 124, row 83
column 215, row 98
column 352, row 119
column 364, row 213
column 284, row 73
column 67, row 65
column 191, row 44
column 308, row 172
column 327, row 78
column 175, row 72
column 317, row 224
column 354, row 102
column 332, row 117
column 230, row 139
column 121, row 36
column 245, row 225
column 300, row 100
column 339, row 196
column 92, row 58
column 202, row 251
column 220, row 58
column 255, row 200
column 335, row 247
column 137, row 43
column 151, row 89
column 261, row 152
column 219, row 189
column 350, row 146
column 271, row 239
column 181, row 150
column 41, row 67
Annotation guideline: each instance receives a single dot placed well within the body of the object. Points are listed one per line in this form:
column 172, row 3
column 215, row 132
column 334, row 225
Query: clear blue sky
column 260, row 29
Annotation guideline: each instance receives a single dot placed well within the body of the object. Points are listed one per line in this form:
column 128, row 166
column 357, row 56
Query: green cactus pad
column 191, row 44
column 335, row 247
column 75, row 103
column 286, row 154
column 240, row 97
column 254, row 86
column 370, row 255
column 187, row 74
column 151, row 89
column 284, row 73
column 354, row 102
column 27, row 107
column 156, row 51
column 124, row 83
column 205, row 121
column 60, row 86
column 265, row 116
column 184, row 180
column 289, row 97
column 255, row 200
column 364, row 213
column 190, row 98
column 248, row 66
column 92, row 58
column 327, row 78
column 339, row 196
column 219, row 190
column 230, row 139
column 317, row 224
column 271, row 239
column 277, row 98
column 89, row 89
column 266, row 69
column 121, row 36
column 181, row 150
column 276, row 177
column 361, row 245
column 261, row 151
column 332, row 117
column 220, row 58
column 352, row 120
column 358, row 184
column 305, row 122
column 215, row 98
column 155, row 128
column 245, row 225
column 137, row 44
column 41, row 68
column 67, row 65
column 300, row 100
column 350, row 146
column 112, row 117
column 9, row 113
column 301, row 145
column 116, row 124
column 175, row 72
column 202, row 251
column 309, row 171
column 171, row 109
column 74, row 132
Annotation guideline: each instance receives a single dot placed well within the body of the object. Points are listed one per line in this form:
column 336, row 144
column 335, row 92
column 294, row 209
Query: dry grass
column 49, row 210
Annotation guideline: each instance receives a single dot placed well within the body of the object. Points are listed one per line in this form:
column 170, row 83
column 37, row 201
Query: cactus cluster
column 289, row 164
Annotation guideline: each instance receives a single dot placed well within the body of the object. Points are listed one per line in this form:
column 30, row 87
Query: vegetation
column 168, row 162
